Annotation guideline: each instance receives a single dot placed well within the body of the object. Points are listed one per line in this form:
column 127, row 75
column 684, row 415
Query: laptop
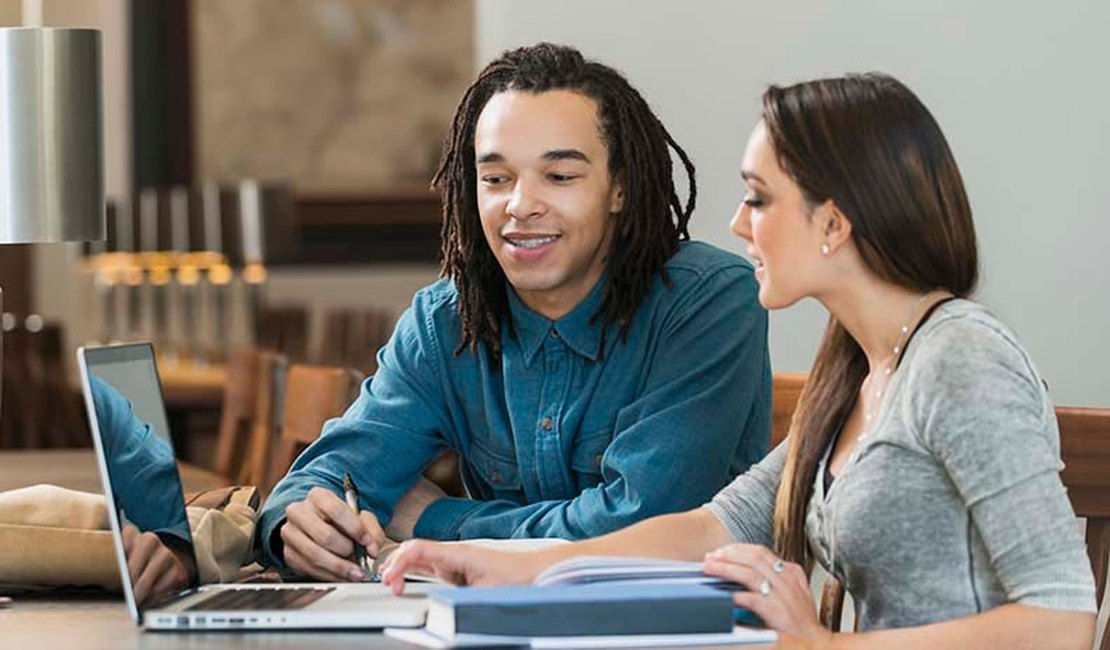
column 127, row 416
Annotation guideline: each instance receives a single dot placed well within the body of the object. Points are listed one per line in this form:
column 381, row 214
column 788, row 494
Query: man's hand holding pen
column 320, row 534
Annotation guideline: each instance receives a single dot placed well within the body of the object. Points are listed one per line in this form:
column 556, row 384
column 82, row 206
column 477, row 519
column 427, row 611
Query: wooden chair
column 313, row 395
column 17, row 418
column 283, row 328
column 786, row 388
column 39, row 408
column 250, row 412
column 237, row 411
column 273, row 369
column 1085, row 448
column 352, row 338
column 64, row 424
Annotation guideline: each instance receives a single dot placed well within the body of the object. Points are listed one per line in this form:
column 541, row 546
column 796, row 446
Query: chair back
column 283, row 328
column 352, row 338
column 38, row 407
column 265, row 430
column 313, row 395
column 237, row 411
column 786, row 389
column 1085, row 448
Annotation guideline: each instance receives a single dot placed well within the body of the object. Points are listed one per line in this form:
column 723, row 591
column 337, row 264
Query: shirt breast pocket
column 587, row 455
column 498, row 476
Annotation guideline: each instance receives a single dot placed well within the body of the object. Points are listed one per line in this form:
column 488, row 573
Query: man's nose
column 524, row 203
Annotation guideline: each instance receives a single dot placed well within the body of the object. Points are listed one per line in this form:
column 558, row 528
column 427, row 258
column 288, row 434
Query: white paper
column 615, row 569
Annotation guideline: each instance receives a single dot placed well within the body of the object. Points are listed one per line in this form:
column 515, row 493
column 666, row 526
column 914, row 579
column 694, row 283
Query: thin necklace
column 888, row 369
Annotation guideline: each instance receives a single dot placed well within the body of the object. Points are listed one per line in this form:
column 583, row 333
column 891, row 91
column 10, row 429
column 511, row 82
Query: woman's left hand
column 777, row 591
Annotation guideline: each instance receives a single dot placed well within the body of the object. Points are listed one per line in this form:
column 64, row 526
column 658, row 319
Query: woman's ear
column 836, row 228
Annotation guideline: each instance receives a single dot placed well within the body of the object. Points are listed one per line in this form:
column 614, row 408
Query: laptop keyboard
column 261, row 598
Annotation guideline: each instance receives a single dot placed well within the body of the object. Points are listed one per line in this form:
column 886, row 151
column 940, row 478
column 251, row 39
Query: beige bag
column 52, row 536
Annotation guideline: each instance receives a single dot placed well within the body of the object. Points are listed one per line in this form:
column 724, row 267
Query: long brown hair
column 867, row 143
column 648, row 229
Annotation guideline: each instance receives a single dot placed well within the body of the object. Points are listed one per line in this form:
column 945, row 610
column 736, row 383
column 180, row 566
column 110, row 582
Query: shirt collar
column 574, row 329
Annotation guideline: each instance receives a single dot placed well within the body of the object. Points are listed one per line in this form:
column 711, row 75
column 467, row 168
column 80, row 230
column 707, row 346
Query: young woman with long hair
column 922, row 464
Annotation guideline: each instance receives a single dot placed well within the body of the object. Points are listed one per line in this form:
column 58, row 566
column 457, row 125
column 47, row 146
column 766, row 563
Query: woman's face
column 778, row 223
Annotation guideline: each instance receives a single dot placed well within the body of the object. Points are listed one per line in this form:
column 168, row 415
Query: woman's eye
column 753, row 201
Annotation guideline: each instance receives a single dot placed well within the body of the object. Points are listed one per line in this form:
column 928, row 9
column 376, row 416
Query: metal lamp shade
column 51, row 140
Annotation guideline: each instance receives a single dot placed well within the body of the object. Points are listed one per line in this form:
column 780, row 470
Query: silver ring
column 778, row 566
column 765, row 588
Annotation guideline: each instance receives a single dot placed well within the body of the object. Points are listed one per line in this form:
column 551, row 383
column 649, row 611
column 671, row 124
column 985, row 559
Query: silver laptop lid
column 127, row 416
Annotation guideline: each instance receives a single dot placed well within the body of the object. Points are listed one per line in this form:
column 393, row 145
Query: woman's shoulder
column 967, row 330
column 965, row 347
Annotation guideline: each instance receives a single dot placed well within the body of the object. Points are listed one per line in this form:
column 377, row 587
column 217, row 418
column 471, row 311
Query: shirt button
column 554, row 333
column 547, row 424
column 597, row 461
column 495, row 476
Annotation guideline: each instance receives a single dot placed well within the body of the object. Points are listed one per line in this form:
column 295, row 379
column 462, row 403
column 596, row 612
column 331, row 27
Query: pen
column 350, row 493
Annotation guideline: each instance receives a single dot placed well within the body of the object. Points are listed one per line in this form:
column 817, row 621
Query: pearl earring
column 824, row 249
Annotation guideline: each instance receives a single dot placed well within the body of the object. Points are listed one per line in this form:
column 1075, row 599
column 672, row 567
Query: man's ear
column 835, row 227
column 616, row 198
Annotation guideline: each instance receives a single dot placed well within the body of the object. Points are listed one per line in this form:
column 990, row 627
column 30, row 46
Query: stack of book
column 591, row 602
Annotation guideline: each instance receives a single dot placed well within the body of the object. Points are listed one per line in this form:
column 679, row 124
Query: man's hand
column 408, row 510
column 320, row 533
column 155, row 569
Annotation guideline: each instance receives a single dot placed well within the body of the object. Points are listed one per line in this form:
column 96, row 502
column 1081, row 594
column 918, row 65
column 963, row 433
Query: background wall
column 383, row 77
column 1020, row 91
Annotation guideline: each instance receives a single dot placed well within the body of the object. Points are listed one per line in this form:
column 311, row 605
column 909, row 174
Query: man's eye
column 562, row 178
column 493, row 180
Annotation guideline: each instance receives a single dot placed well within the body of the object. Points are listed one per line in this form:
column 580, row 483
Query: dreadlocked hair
column 648, row 229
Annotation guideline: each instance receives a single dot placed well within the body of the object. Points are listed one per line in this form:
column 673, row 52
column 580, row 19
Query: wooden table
column 56, row 622
column 76, row 469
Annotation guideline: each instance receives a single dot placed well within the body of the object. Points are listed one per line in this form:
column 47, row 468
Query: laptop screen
column 126, row 410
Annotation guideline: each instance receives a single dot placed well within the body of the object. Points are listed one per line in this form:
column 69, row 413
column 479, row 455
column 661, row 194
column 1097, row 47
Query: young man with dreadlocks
column 590, row 367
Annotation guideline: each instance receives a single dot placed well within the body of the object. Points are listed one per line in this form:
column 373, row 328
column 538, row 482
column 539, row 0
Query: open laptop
column 128, row 420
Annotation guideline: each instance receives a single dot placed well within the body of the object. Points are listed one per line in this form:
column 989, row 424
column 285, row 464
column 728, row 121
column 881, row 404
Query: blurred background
column 267, row 161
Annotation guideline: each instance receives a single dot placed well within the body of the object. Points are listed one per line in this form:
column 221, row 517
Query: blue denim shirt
column 563, row 438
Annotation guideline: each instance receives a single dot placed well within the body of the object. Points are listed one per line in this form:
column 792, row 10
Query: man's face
column 545, row 196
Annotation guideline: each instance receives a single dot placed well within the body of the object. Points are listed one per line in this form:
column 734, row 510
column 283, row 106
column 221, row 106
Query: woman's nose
column 741, row 224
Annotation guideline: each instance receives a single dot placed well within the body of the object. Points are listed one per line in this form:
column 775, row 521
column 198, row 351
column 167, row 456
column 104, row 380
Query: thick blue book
column 580, row 610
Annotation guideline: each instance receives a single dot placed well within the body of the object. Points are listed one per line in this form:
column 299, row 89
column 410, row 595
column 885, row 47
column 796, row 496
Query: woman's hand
column 777, row 591
column 458, row 564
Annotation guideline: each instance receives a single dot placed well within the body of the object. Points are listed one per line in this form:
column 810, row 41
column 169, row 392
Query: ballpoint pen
column 350, row 493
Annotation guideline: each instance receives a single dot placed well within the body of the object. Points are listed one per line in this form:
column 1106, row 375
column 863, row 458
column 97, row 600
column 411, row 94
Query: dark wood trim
column 16, row 271
column 384, row 227
column 161, row 93
column 385, row 208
